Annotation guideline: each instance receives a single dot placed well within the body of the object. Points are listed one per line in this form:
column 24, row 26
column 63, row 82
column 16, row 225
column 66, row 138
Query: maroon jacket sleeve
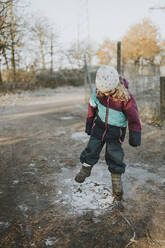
column 90, row 118
column 131, row 111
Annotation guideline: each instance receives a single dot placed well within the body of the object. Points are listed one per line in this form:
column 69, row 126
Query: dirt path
column 42, row 206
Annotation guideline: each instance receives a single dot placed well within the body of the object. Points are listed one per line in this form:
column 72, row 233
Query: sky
column 102, row 19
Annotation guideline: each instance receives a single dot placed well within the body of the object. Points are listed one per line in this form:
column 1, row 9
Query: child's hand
column 88, row 131
column 88, row 128
column 134, row 138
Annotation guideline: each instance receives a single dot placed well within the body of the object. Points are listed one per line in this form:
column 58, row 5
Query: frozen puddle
column 95, row 194
column 50, row 241
column 87, row 197
column 60, row 132
column 66, row 118
column 90, row 196
column 80, row 136
column 4, row 224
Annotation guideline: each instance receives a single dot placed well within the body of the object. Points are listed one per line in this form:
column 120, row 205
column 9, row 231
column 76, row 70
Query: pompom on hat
column 107, row 78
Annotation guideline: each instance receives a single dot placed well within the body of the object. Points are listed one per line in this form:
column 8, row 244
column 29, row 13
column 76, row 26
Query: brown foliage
column 106, row 52
column 141, row 41
column 23, row 76
column 30, row 80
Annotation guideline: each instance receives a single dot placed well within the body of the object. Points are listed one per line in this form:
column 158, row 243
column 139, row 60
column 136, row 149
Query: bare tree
column 11, row 34
column 4, row 6
column 40, row 32
column 158, row 7
column 75, row 55
column 4, row 24
column 51, row 51
column 44, row 40
column 16, row 34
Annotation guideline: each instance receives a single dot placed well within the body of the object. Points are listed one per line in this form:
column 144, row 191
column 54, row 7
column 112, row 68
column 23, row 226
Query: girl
column 110, row 108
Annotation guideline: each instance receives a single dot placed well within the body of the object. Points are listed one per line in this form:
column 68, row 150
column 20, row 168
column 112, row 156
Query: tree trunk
column 162, row 98
column 0, row 72
column 6, row 59
column 42, row 53
column 51, row 54
column 12, row 42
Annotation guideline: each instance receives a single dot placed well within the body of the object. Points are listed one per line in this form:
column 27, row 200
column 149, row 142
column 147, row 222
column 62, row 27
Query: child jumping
column 111, row 108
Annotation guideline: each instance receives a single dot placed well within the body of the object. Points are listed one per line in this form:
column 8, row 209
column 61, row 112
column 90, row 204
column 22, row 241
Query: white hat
column 107, row 78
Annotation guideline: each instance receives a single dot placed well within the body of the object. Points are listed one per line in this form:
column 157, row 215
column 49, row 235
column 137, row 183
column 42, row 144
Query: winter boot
column 84, row 172
column 117, row 187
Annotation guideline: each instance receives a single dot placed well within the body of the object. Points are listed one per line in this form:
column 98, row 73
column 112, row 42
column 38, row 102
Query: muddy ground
column 41, row 137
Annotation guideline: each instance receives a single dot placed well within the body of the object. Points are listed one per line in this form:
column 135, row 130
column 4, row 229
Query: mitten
column 134, row 138
column 88, row 128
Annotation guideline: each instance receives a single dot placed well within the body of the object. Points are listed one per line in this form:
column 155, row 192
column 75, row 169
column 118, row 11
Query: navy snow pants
column 114, row 154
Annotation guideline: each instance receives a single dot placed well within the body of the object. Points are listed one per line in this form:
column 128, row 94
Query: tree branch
column 159, row 8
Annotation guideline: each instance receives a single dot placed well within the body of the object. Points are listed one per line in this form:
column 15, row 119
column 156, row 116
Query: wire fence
column 141, row 84
column 144, row 84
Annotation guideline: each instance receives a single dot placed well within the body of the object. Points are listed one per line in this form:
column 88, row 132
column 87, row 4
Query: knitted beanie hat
column 107, row 78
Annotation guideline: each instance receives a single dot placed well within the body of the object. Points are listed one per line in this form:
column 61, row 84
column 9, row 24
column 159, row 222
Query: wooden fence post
column 87, row 81
column 1, row 67
column 162, row 98
column 119, row 57
column 87, row 73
